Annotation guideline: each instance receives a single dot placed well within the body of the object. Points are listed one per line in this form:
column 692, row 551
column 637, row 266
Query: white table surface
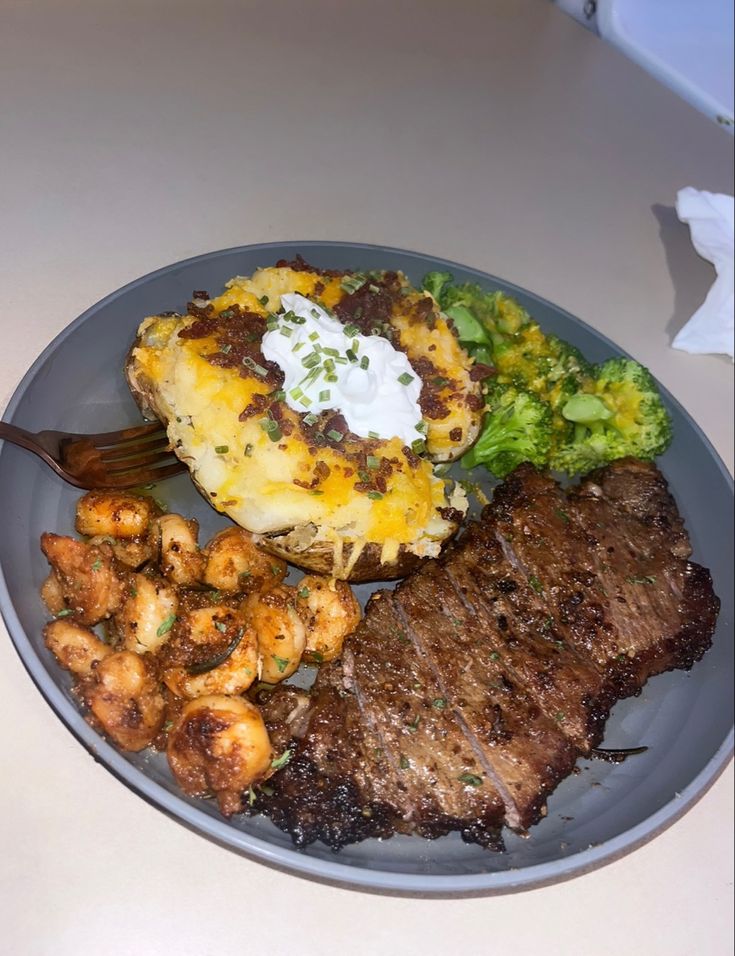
column 499, row 134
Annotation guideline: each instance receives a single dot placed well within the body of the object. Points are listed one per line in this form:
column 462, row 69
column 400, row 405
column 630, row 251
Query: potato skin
column 319, row 556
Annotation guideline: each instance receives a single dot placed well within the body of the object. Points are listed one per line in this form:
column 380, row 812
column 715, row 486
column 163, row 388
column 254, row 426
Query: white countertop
column 499, row 134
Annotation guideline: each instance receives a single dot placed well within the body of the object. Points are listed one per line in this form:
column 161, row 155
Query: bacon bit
column 452, row 514
column 480, row 371
column 474, row 402
column 204, row 326
column 455, row 434
column 256, row 407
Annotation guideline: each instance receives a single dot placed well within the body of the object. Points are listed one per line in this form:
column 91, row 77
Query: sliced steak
column 466, row 695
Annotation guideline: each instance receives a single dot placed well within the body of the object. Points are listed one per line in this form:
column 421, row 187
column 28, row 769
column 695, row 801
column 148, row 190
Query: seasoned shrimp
column 219, row 745
column 124, row 694
column 281, row 632
column 236, row 563
column 212, row 651
column 330, row 611
column 115, row 514
column 52, row 594
column 91, row 583
column 147, row 614
column 181, row 560
column 76, row 648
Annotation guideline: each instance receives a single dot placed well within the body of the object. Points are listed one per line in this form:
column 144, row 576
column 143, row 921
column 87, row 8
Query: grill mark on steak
column 546, row 667
column 495, row 712
column 425, row 742
column 523, row 675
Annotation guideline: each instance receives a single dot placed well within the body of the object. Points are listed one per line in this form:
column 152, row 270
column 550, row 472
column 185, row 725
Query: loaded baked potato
column 358, row 501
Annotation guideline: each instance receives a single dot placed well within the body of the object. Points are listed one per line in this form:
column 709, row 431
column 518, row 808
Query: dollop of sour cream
column 325, row 366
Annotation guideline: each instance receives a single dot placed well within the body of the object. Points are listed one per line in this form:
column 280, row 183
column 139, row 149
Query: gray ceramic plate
column 596, row 815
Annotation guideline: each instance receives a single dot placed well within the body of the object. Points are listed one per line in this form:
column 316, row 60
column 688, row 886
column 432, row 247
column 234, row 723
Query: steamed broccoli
column 547, row 404
column 480, row 317
column 517, row 428
column 618, row 412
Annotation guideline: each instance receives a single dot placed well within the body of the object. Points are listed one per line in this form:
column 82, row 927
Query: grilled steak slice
column 382, row 750
column 467, row 693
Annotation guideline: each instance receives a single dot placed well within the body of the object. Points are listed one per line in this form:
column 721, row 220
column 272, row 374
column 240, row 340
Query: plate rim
column 289, row 859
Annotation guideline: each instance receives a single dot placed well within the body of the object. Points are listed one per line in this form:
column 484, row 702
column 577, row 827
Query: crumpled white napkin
column 711, row 218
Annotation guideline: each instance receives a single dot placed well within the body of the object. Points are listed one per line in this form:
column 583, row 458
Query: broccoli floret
column 434, row 283
column 480, row 316
column 517, row 428
column 545, row 364
column 618, row 412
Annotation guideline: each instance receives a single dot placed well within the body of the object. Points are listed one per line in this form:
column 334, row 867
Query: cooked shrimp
column 75, row 647
column 212, row 651
column 125, row 696
column 236, row 563
column 181, row 560
column 147, row 614
column 90, row 580
column 116, row 514
column 330, row 611
column 132, row 552
column 281, row 632
column 219, row 745
column 52, row 594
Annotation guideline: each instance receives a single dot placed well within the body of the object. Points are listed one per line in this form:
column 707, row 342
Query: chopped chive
column 364, row 362
column 310, row 360
column 352, row 283
column 351, row 331
column 313, row 336
column 286, row 331
column 351, row 355
column 225, row 350
column 331, row 378
column 297, row 347
column 375, row 495
column 330, row 351
column 305, row 401
column 418, row 447
column 310, row 419
column 222, row 449
column 166, row 624
column 263, row 300
column 335, row 435
column 281, row 663
column 405, row 378
column 278, row 395
column 325, row 395
column 296, row 393
column 282, row 760
column 250, row 363
column 341, row 360
column 421, row 426
column 373, row 435
column 373, row 462
column 471, row 779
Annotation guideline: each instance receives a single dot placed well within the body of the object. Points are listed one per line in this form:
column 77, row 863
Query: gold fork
column 121, row 459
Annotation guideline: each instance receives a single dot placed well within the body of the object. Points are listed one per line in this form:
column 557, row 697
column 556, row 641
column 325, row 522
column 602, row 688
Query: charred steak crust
column 467, row 694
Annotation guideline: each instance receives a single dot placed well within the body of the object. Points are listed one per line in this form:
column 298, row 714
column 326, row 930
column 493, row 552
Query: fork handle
column 19, row 436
